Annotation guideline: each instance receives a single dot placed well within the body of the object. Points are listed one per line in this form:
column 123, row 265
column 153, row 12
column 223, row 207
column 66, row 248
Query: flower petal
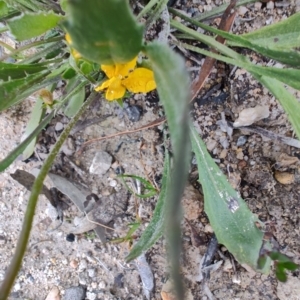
column 141, row 80
column 123, row 70
column 104, row 85
column 109, row 70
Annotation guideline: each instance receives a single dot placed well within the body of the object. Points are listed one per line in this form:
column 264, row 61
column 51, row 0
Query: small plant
column 97, row 46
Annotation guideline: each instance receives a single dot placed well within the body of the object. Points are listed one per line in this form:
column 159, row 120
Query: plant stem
column 16, row 262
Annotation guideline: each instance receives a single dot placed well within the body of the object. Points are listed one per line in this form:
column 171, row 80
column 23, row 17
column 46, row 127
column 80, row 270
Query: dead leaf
column 284, row 160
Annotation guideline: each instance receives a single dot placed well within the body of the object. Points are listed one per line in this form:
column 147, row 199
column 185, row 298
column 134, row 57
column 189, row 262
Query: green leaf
column 3, row 9
column 289, row 103
column 75, row 102
column 11, row 91
column 280, row 273
column 156, row 226
column 7, row 161
column 30, row 25
column 104, row 31
column 37, row 114
column 13, row 71
column 278, row 41
column 173, row 89
column 69, row 74
column 229, row 216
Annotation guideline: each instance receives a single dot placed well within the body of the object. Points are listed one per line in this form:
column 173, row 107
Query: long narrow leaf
column 229, row 216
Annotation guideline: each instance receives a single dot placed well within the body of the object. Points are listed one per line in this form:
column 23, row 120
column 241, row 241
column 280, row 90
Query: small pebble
column 257, row 5
column 74, row 263
column 54, row 294
column 227, row 265
column 113, row 183
column 133, row 112
column 208, row 228
column 241, row 141
column 284, row 177
column 270, row 5
column 59, row 126
column 91, row 272
column 91, row 296
column 75, row 293
column 70, row 237
column 101, row 163
column 82, row 265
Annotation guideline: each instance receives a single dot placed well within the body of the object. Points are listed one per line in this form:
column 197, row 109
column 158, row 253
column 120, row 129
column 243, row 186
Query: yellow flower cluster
column 121, row 77
column 126, row 76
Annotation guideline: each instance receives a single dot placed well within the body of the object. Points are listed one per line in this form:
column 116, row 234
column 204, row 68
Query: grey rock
column 75, row 293
column 101, row 163
column 133, row 112
column 241, row 141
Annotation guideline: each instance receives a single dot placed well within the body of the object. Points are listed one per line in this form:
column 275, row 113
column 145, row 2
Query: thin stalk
column 25, row 47
column 225, row 59
column 207, row 40
column 6, row 46
column 156, row 13
column 147, row 8
column 16, row 262
column 51, row 61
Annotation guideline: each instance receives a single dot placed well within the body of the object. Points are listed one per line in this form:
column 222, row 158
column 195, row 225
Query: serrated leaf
column 229, row 216
column 10, row 91
column 30, row 25
column 104, row 31
column 8, row 160
column 37, row 114
column 13, row 71
column 155, row 229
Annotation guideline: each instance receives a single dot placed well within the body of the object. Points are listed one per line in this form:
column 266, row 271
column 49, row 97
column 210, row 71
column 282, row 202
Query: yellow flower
column 126, row 76
column 74, row 52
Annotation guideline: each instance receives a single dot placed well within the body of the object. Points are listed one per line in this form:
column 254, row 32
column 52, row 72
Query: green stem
column 156, row 13
column 207, row 40
column 16, row 262
column 4, row 45
column 147, row 8
column 25, row 47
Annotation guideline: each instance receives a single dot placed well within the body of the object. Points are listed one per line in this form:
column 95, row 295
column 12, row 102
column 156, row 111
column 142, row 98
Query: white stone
column 101, row 163
column 248, row 116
